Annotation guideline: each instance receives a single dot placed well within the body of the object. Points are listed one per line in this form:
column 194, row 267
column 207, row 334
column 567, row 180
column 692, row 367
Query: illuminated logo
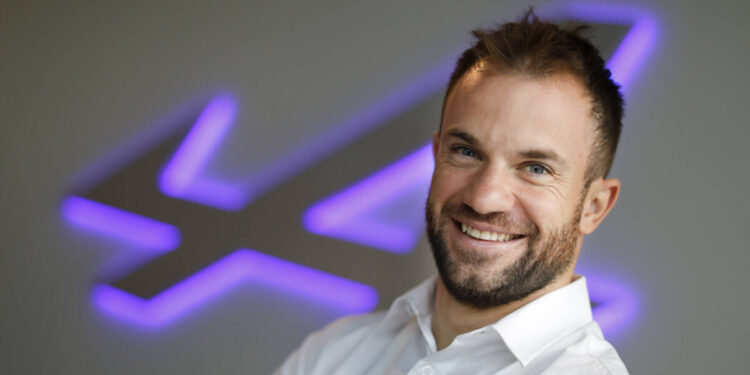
column 200, row 227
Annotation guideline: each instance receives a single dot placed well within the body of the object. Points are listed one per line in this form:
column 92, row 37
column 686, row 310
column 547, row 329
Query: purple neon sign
column 181, row 177
column 346, row 215
column 140, row 230
column 241, row 266
column 617, row 304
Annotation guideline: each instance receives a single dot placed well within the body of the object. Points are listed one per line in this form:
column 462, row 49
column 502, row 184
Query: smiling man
column 529, row 129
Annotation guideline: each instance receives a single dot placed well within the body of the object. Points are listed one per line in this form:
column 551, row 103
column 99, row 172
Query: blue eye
column 467, row 152
column 536, row 169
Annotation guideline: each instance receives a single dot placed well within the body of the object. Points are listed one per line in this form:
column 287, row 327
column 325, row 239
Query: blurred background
column 95, row 97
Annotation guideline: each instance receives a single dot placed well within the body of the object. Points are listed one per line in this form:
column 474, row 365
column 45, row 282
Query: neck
column 452, row 318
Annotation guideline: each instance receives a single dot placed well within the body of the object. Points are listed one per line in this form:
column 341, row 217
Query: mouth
column 486, row 235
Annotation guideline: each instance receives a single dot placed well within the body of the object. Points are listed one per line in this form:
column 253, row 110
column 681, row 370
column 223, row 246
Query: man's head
column 538, row 49
column 529, row 128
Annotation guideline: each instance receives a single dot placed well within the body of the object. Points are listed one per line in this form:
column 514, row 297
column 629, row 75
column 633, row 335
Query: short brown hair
column 536, row 48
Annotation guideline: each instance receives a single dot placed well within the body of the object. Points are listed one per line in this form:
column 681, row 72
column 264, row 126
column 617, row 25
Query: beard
column 468, row 275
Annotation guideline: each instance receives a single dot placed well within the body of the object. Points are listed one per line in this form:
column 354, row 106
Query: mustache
column 498, row 219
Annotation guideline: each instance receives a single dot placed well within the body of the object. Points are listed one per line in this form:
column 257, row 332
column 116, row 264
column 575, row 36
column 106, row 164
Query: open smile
column 486, row 235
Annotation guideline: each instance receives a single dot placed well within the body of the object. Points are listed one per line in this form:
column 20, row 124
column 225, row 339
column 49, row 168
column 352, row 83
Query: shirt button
column 427, row 370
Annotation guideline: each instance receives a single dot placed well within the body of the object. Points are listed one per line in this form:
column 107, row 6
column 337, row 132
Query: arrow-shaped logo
column 210, row 222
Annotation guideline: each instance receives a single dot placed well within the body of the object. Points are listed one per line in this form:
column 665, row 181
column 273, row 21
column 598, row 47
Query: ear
column 600, row 199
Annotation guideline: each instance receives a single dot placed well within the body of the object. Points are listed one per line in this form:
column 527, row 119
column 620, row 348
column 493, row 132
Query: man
column 530, row 124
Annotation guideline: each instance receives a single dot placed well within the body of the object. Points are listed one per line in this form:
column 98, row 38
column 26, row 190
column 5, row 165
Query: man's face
column 507, row 192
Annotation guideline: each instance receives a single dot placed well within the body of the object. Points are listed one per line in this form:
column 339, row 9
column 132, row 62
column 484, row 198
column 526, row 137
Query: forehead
column 513, row 111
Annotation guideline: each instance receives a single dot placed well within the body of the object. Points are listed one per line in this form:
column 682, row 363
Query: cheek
column 446, row 182
column 545, row 208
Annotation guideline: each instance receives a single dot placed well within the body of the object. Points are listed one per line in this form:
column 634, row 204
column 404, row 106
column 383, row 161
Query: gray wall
column 79, row 79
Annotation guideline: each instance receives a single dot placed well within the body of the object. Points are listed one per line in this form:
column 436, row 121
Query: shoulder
column 352, row 324
column 589, row 353
column 345, row 331
column 331, row 343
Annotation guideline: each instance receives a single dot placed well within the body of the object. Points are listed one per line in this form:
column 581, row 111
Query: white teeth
column 485, row 235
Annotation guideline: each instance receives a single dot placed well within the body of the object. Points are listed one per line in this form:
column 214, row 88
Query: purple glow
column 125, row 225
column 349, row 215
column 326, row 288
column 350, row 127
column 243, row 265
column 631, row 53
column 618, row 305
column 636, row 45
column 180, row 178
column 345, row 214
column 215, row 194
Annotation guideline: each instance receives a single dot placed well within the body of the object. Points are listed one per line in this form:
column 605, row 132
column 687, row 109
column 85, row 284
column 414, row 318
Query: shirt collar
column 527, row 331
column 536, row 325
column 417, row 302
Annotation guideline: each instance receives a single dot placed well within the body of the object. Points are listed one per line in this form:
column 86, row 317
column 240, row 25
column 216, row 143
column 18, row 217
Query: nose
column 489, row 191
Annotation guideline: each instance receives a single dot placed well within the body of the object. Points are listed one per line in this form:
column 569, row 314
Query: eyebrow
column 537, row 154
column 468, row 138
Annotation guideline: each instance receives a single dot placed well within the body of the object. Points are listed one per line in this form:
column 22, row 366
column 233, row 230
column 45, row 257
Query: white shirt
column 554, row 334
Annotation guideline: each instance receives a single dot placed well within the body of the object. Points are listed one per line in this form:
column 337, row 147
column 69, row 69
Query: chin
column 484, row 275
